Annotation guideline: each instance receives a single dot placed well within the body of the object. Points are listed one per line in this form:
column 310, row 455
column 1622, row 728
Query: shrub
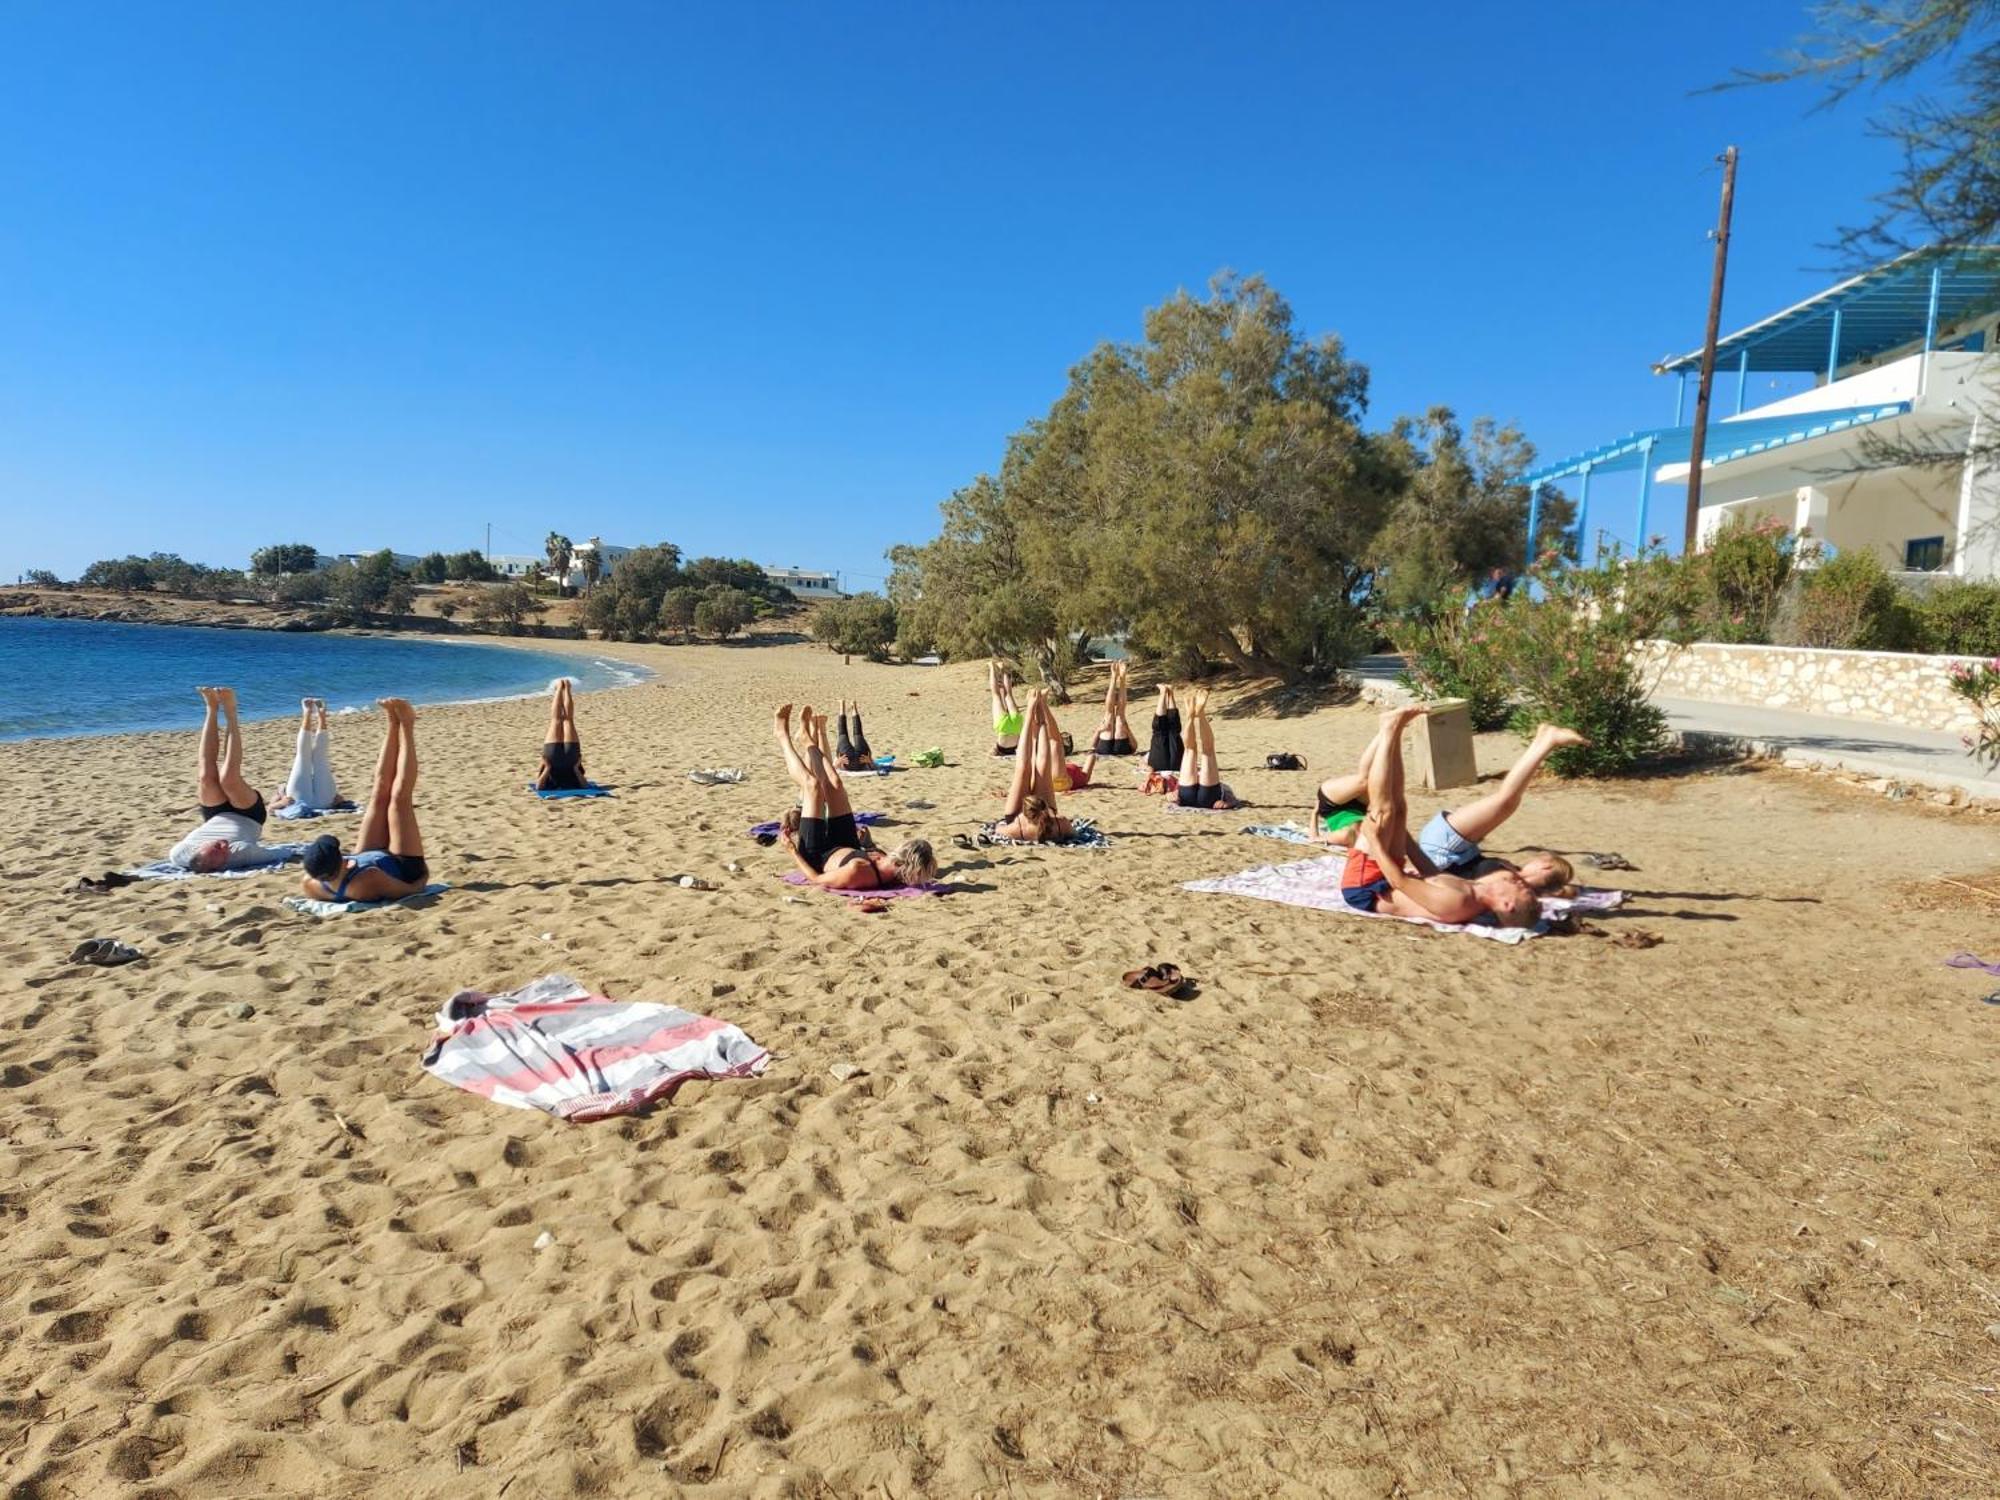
column 1960, row 619
column 510, row 605
column 284, row 557
column 1454, row 656
column 1568, row 659
column 723, row 611
column 1741, row 579
column 1847, row 603
column 42, row 578
column 1980, row 686
column 677, row 610
column 864, row 625
column 122, row 574
column 301, row 588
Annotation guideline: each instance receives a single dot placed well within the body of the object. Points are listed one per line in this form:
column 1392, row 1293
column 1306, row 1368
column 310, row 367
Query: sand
column 1376, row 1212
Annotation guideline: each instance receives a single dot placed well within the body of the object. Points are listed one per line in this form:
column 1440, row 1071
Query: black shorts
column 1005, row 749
column 411, row 869
column 820, row 839
column 1119, row 746
column 1198, row 796
column 254, row 812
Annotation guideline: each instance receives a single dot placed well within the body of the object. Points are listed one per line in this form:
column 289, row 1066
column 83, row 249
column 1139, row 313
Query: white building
column 1903, row 353
column 805, row 583
column 524, row 565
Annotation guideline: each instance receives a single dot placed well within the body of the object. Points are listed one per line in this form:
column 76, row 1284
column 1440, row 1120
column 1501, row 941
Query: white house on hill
column 525, row 565
column 805, row 583
column 1903, row 353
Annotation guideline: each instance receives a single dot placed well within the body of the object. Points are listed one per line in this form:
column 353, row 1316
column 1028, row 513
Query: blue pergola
column 1883, row 309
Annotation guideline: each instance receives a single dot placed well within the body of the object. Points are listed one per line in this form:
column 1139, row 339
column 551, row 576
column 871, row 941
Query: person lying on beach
column 232, row 810
column 1450, row 841
column 1200, row 782
column 1381, row 873
column 851, row 752
column 821, row 833
column 1164, row 751
column 562, row 751
column 1007, row 716
column 390, row 863
column 311, row 783
column 1029, row 815
column 1114, row 736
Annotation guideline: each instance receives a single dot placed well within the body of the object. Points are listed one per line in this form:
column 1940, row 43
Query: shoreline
column 111, row 607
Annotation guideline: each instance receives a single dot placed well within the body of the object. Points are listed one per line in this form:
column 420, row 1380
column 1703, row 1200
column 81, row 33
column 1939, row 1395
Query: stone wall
column 1886, row 687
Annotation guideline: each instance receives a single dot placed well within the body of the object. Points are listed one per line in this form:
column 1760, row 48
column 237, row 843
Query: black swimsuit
column 564, row 767
column 254, row 812
column 1119, row 746
column 821, row 838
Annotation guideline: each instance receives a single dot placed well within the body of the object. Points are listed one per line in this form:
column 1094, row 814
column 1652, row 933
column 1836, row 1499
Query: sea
column 60, row 678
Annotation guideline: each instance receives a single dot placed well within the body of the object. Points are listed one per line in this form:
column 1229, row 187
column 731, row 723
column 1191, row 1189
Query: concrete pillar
column 1977, row 553
column 1810, row 520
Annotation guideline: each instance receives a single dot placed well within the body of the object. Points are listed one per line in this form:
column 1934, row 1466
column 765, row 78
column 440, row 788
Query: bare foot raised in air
column 1556, row 737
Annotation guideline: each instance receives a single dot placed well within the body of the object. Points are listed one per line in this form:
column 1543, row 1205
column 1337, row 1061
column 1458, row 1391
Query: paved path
column 1921, row 757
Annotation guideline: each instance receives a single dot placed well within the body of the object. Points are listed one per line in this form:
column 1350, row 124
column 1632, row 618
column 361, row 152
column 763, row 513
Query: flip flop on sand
column 105, row 952
column 1164, row 979
column 1610, row 861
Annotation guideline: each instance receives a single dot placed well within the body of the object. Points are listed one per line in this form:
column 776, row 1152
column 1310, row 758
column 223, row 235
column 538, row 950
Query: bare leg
column 1049, row 759
column 375, row 821
column 555, row 730
column 1191, row 741
column 1476, row 820
column 1123, row 729
column 239, row 792
column 819, row 774
column 403, row 835
column 1388, row 813
column 206, row 779
column 781, row 725
column 1109, row 728
column 1343, row 789
column 1210, row 773
column 1024, row 775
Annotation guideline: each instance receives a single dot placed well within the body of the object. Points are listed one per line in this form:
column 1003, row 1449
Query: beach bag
column 1284, row 760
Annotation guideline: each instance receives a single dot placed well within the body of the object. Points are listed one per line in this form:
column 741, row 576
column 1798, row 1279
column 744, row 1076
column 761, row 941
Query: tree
column 372, row 586
column 469, row 567
column 678, row 609
column 736, row 573
column 862, row 625
column 628, row 602
column 593, row 568
column 560, row 551
column 129, row 574
column 432, row 567
column 510, row 605
column 723, row 611
column 282, row 558
column 42, row 578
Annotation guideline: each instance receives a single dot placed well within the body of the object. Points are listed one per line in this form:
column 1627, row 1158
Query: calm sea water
column 67, row 677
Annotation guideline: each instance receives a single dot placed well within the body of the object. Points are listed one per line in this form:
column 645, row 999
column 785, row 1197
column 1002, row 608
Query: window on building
column 1924, row 554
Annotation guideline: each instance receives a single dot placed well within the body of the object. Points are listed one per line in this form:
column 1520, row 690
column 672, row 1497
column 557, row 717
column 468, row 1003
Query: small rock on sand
column 842, row 1071
column 242, row 1010
column 544, row 1240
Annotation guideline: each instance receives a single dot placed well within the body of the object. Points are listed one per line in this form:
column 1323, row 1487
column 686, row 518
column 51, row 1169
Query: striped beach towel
column 554, row 1046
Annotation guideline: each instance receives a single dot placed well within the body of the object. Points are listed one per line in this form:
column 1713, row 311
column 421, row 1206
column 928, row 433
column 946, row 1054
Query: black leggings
column 1164, row 754
column 563, row 762
column 855, row 749
column 821, row 838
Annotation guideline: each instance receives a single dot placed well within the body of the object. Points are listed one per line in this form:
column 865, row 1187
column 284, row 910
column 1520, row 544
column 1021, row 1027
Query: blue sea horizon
column 63, row 678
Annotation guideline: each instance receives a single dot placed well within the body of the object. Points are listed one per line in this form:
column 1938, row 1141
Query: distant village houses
column 805, row 583
column 524, row 565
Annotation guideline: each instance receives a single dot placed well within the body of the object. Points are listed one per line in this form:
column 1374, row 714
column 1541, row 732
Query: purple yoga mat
column 886, row 893
column 770, row 830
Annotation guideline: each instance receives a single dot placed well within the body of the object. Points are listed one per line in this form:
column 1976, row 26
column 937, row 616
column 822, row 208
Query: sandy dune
column 1376, row 1213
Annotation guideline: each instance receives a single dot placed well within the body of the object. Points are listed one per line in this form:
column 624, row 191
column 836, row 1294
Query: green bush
column 1960, row 618
column 1741, row 580
column 1454, row 656
column 864, row 625
column 1847, row 603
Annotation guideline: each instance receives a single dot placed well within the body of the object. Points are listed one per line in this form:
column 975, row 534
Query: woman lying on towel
column 1387, row 874
column 390, row 863
column 851, row 752
column 1450, row 841
column 1164, row 751
column 821, row 832
column 1114, row 735
column 1007, row 715
column 1030, row 815
column 232, row 809
column 311, row 783
column 562, row 751
column 1200, row 783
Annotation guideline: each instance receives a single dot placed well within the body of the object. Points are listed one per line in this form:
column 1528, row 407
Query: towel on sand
column 1315, row 883
column 554, row 1046
column 589, row 789
column 770, row 830
column 313, row 907
column 1084, row 834
column 297, row 810
column 884, row 893
column 1291, row 833
column 166, row 869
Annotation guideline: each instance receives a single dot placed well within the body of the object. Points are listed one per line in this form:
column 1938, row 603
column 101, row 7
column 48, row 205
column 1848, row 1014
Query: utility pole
column 1699, row 439
column 488, row 554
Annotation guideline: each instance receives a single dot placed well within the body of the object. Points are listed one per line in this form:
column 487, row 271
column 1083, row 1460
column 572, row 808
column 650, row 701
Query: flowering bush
column 1741, row 578
column 1980, row 686
column 1847, row 603
column 1453, row 656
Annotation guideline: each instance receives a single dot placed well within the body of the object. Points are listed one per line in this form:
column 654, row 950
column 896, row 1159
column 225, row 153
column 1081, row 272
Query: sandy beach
column 1375, row 1212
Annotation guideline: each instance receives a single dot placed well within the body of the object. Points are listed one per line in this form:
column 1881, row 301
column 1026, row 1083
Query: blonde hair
column 915, row 862
column 1563, row 877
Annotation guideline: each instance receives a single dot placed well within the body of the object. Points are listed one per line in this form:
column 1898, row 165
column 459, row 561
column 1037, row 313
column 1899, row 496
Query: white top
column 240, row 833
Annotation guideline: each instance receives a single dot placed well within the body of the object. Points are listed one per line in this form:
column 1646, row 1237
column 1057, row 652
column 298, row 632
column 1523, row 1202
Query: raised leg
column 1208, row 770
column 1049, row 752
column 239, row 792
column 556, row 719
column 1024, row 771
column 1388, row 812
column 206, row 776
column 403, row 835
column 1476, row 820
column 375, row 821
column 1191, row 741
column 781, row 726
column 321, row 771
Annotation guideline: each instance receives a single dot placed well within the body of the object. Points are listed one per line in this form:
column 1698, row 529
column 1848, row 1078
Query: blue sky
column 773, row 280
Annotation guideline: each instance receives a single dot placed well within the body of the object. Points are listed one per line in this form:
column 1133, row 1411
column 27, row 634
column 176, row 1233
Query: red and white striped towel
column 553, row 1045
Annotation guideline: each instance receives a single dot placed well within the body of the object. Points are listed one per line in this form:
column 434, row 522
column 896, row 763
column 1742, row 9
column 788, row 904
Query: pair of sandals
column 110, row 881
column 1162, row 979
column 106, row 953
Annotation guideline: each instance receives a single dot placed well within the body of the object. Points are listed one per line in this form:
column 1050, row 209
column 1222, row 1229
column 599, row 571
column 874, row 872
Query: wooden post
column 1444, row 746
column 1698, row 439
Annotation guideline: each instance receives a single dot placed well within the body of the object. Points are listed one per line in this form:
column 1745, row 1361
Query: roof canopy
column 1876, row 311
column 1726, row 441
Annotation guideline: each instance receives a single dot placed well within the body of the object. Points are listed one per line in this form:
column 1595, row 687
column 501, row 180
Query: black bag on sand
column 1284, row 760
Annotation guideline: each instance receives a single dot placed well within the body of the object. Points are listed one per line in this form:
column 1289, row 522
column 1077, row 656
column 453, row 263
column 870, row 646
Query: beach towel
column 882, row 893
column 299, row 810
column 1084, row 834
column 589, row 789
column 771, row 830
column 166, row 869
column 313, row 907
column 1315, row 883
column 716, row 776
column 554, row 1046
column 1178, row 807
column 1291, row 833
